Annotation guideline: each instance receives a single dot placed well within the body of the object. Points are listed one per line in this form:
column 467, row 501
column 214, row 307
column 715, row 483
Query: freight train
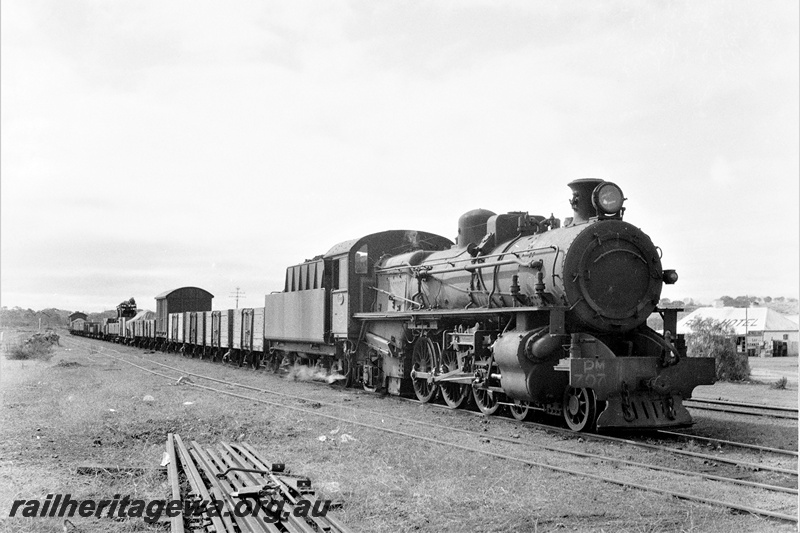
column 521, row 314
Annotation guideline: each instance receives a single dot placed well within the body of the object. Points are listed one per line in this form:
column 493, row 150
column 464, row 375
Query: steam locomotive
column 521, row 313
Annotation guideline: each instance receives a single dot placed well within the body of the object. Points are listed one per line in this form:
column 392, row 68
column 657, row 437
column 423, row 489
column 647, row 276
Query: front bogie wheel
column 580, row 409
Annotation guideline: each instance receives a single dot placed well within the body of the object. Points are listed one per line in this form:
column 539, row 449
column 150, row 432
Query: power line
column 236, row 295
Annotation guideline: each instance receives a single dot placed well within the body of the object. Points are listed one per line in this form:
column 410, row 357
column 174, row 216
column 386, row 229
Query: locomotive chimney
column 581, row 201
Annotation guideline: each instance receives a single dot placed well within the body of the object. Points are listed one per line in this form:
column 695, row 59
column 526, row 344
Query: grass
column 54, row 419
column 780, row 384
column 58, row 416
column 37, row 346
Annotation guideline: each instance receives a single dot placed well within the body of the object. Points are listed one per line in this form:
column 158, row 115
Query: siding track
column 581, row 473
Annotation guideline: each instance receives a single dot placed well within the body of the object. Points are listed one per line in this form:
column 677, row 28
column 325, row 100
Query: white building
column 759, row 330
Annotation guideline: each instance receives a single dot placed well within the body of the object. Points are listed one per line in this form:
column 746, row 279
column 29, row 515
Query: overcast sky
column 154, row 144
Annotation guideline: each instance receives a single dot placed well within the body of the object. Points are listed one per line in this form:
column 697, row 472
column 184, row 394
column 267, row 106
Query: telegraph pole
column 746, row 351
column 236, row 295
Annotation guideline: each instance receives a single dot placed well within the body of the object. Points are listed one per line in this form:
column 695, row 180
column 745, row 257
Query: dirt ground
column 81, row 407
column 764, row 372
column 770, row 369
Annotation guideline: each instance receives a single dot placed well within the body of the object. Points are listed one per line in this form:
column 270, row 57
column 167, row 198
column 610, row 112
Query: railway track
column 655, row 447
column 689, row 436
column 516, row 443
column 574, row 435
column 742, row 408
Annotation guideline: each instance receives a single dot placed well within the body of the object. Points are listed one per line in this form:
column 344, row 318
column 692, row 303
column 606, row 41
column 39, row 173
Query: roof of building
column 741, row 319
column 793, row 318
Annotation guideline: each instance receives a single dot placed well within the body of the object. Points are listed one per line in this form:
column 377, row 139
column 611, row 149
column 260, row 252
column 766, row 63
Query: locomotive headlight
column 607, row 198
column 670, row 277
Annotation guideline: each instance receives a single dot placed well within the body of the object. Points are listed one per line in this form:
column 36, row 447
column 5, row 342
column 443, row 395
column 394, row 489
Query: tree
column 710, row 338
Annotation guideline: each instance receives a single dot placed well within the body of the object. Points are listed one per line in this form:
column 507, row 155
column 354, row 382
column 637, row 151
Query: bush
column 710, row 338
column 36, row 347
column 780, row 384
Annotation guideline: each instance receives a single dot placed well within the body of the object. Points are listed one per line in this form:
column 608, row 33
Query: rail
column 680, row 495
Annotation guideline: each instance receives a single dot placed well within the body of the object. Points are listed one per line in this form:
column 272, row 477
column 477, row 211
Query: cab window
column 361, row 264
